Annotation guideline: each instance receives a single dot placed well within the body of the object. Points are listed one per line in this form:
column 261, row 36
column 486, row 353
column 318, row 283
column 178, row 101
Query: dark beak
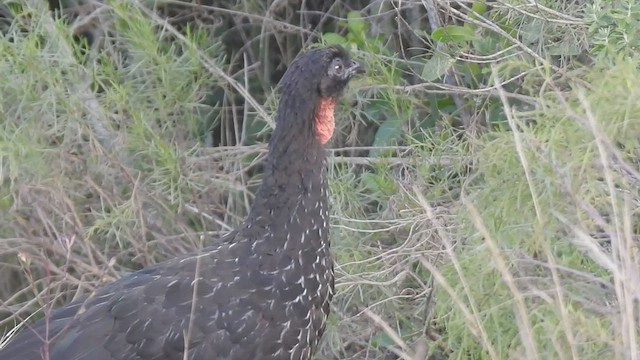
column 354, row 68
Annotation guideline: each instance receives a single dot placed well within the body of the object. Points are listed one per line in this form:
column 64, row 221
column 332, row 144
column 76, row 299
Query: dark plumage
column 261, row 292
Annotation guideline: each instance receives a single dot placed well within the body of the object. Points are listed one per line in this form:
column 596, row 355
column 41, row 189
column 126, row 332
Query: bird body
column 261, row 292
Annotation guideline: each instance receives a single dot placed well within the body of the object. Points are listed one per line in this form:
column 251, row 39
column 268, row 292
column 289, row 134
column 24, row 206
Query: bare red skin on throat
column 325, row 122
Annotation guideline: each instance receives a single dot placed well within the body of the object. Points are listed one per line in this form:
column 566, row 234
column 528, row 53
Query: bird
column 263, row 291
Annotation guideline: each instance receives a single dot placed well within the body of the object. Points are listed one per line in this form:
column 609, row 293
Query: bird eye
column 337, row 66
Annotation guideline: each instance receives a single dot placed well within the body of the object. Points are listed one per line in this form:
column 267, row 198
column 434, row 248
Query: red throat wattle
column 325, row 123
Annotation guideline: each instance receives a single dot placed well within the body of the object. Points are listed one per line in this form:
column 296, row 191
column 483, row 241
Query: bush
column 484, row 174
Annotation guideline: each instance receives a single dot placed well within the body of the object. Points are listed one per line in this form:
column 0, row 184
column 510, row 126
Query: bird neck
column 293, row 171
column 292, row 198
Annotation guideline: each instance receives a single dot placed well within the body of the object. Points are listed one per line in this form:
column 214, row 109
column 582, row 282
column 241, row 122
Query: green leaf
column 382, row 341
column 334, row 39
column 453, row 34
column 370, row 182
column 387, row 133
column 479, row 7
column 356, row 22
column 437, row 66
column 565, row 48
column 6, row 202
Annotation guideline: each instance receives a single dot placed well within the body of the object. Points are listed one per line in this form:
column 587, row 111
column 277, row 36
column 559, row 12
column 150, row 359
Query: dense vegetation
column 485, row 174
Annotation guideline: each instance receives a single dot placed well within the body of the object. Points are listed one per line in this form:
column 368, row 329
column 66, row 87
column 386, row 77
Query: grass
column 492, row 217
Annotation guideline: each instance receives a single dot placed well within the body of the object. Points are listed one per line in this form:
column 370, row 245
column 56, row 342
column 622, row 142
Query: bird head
column 316, row 79
column 329, row 69
column 339, row 70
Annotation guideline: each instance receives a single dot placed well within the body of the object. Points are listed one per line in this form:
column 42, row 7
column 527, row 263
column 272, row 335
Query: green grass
column 494, row 216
